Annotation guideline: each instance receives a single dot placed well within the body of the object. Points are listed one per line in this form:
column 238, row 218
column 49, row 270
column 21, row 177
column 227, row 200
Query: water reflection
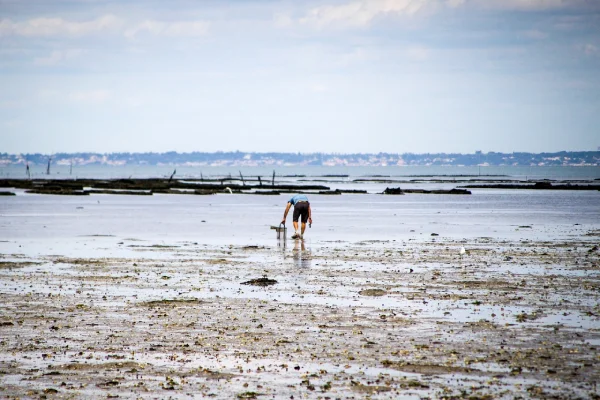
column 301, row 254
column 282, row 242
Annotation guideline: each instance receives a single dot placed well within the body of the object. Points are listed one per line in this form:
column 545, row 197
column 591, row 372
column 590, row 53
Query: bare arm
column 287, row 209
column 309, row 214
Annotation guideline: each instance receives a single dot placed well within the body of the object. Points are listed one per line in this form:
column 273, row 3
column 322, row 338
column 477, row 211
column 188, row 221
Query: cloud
column 361, row 13
column 318, row 88
column 590, row 50
column 173, row 29
column 356, row 55
column 90, row 96
column 59, row 27
column 11, row 104
column 455, row 3
column 282, row 20
column 50, row 27
column 526, row 5
column 535, row 34
column 13, row 123
column 417, row 53
column 58, row 57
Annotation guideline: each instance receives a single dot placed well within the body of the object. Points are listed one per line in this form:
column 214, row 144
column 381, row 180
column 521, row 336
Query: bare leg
column 296, row 226
column 303, row 228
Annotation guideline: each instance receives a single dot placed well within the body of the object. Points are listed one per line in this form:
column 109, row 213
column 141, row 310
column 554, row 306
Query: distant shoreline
column 278, row 160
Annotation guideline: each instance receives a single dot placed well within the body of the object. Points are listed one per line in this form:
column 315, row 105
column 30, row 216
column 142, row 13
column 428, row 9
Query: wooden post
column 259, row 181
column 242, row 176
column 48, row 167
column 173, row 174
column 273, row 183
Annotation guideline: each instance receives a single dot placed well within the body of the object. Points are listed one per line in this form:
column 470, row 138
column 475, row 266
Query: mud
column 375, row 319
column 400, row 191
column 60, row 191
column 148, row 187
column 144, row 186
column 536, row 186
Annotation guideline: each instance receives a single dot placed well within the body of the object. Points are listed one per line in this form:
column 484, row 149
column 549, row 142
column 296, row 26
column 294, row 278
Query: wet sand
column 371, row 319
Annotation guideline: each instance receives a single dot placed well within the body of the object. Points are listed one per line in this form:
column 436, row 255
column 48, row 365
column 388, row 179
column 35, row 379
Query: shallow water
column 287, row 172
column 70, row 224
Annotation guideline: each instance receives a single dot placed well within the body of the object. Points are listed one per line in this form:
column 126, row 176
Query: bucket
column 281, row 231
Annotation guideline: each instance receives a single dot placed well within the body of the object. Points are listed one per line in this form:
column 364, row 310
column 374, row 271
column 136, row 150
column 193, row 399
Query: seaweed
column 264, row 281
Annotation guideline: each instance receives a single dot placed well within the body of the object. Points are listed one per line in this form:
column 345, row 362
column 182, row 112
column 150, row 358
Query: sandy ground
column 379, row 319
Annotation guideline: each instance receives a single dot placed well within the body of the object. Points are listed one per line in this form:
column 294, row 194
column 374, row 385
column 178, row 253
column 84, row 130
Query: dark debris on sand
column 264, row 281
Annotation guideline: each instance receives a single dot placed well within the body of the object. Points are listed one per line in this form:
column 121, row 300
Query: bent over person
column 301, row 210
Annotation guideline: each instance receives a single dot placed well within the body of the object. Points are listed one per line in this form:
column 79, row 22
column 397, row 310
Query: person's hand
column 310, row 221
column 282, row 222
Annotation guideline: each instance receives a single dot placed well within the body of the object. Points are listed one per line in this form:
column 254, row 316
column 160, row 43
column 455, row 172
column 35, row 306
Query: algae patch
column 373, row 292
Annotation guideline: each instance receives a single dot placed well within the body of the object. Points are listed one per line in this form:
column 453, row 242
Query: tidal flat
column 380, row 319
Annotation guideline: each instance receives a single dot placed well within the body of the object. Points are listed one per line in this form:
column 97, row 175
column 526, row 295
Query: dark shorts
column 301, row 209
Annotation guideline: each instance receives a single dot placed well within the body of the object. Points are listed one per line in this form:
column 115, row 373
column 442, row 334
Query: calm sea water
column 76, row 225
column 35, row 225
column 108, row 172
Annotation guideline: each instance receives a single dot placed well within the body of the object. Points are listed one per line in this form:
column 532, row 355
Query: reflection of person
column 301, row 209
column 301, row 254
column 299, row 246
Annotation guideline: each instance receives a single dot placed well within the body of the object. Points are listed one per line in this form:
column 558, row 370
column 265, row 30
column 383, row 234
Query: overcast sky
column 299, row 76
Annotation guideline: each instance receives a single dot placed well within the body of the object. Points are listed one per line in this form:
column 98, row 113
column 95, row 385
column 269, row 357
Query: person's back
column 298, row 198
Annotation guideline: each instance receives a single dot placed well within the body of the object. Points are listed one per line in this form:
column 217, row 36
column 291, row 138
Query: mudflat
column 370, row 319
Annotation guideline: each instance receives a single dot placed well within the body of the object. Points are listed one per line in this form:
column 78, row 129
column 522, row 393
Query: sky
column 344, row 76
